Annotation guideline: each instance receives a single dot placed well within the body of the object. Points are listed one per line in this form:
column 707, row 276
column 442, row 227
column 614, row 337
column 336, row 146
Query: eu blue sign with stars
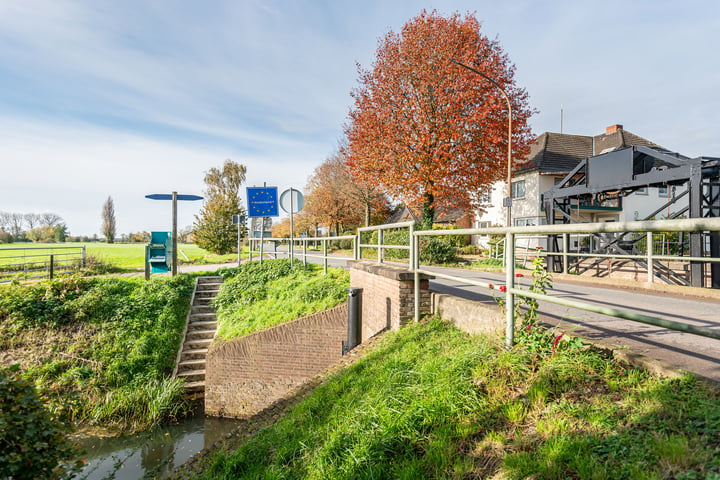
column 262, row 202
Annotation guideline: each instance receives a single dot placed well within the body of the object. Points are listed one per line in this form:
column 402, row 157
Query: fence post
column 415, row 259
column 147, row 262
column 52, row 266
column 84, row 256
column 509, row 285
column 250, row 245
column 325, row 258
column 380, row 249
column 650, row 265
column 304, row 243
column 358, row 253
column 566, row 247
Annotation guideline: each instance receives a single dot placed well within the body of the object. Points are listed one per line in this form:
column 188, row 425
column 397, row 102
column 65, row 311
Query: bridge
column 696, row 307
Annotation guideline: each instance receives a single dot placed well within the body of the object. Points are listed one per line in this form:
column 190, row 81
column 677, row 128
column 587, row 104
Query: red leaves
column 421, row 124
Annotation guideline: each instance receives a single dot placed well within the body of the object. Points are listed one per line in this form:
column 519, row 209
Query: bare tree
column 32, row 220
column 5, row 221
column 50, row 219
column 16, row 224
column 108, row 216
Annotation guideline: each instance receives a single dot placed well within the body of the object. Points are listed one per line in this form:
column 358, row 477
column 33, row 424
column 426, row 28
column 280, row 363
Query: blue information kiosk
column 158, row 253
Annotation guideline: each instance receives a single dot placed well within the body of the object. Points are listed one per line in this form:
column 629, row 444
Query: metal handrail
column 682, row 225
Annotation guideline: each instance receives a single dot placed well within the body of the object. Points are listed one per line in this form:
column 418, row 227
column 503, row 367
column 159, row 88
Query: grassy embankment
column 433, row 402
column 257, row 296
column 102, row 348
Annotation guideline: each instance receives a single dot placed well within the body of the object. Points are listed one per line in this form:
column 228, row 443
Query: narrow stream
column 151, row 454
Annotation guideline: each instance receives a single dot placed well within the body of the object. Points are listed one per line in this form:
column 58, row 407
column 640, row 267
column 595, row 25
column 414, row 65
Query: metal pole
column 84, row 256
column 174, row 233
column 509, row 153
column 509, row 285
column 52, row 266
column 147, row 262
column 262, row 237
column 650, row 257
column 380, row 249
column 325, row 258
column 292, row 240
column 566, row 247
column 238, row 240
column 304, row 245
column 415, row 266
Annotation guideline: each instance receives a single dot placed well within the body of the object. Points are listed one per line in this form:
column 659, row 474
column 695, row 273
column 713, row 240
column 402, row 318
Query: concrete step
column 202, row 302
column 201, row 309
column 197, row 334
column 194, row 317
column 197, row 364
column 193, row 375
column 202, row 325
column 195, row 344
column 193, row 354
column 195, row 387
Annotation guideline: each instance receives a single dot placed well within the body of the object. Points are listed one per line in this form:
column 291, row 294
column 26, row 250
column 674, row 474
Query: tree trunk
column 428, row 211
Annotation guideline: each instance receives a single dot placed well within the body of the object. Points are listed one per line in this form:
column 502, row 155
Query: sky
column 121, row 99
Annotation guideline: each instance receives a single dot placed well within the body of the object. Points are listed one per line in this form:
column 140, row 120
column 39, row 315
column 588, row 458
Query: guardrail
column 39, row 262
column 303, row 244
column 511, row 234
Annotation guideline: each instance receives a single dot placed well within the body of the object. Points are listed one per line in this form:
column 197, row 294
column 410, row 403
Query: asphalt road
column 676, row 349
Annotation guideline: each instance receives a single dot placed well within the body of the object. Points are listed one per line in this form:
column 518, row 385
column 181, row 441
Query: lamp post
column 507, row 202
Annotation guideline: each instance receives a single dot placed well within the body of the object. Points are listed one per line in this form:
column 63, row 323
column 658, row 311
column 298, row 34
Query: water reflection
column 150, row 454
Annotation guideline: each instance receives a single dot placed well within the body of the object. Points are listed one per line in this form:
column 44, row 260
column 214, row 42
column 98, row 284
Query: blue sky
column 106, row 98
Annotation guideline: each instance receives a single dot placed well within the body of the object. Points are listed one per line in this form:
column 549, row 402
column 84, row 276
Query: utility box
column 159, row 252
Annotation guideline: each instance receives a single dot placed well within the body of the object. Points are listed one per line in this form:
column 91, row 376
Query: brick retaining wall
column 246, row 375
column 388, row 295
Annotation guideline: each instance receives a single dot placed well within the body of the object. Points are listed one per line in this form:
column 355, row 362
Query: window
column 641, row 191
column 663, row 191
column 484, row 196
column 526, row 222
column 483, row 224
column 517, row 189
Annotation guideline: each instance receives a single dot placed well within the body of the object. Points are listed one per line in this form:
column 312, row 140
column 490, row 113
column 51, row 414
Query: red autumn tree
column 427, row 131
column 336, row 200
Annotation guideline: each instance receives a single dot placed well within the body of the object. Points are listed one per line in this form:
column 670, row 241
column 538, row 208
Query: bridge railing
column 511, row 291
column 303, row 245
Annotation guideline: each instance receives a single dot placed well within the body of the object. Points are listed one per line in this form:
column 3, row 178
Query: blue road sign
column 262, row 202
column 168, row 196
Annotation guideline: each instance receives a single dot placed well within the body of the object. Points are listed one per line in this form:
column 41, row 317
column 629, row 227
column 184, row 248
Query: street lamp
column 507, row 202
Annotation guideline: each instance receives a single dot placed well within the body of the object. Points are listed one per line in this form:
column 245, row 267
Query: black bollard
column 354, row 319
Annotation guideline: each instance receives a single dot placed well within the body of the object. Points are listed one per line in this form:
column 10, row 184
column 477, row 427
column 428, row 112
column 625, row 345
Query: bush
column 438, row 250
column 33, row 441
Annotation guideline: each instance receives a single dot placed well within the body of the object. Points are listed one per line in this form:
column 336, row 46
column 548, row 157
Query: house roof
column 405, row 214
column 560, row 152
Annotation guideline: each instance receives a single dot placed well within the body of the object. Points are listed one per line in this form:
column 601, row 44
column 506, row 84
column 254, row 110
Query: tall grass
column 432, row 402
column 100, row 348
column 257, row 296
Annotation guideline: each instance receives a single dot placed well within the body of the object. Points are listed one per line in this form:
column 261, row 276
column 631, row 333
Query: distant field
column 123, row 255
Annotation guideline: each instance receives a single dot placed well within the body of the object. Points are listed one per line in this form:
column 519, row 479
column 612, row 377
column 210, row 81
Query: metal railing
column 512, row 233
column 302, row 243
column 381, row 246
column 32, row 263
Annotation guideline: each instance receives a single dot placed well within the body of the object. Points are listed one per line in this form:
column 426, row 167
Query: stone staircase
column 200, row 329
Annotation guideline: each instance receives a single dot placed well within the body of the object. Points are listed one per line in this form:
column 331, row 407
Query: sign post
column 238, row 220
column 292, row 201
column 174, row 197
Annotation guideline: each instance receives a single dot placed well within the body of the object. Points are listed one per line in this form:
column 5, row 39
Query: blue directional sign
column 168, row 196
column 262, row 202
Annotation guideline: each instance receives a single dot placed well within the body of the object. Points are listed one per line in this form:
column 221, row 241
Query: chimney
column 613, row 129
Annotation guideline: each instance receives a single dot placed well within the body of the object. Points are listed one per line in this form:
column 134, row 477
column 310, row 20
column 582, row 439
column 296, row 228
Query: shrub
column 33, row 441
column 438, row 250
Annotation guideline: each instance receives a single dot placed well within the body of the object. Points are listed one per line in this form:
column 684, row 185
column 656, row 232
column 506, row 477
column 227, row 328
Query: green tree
column 33, row 441
column 108, row 216
column 213, row 229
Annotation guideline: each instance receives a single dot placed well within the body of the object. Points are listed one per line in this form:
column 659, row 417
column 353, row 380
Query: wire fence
column 37, row 263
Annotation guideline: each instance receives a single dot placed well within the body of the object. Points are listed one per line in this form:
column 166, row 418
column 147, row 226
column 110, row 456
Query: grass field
column 126, row 256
